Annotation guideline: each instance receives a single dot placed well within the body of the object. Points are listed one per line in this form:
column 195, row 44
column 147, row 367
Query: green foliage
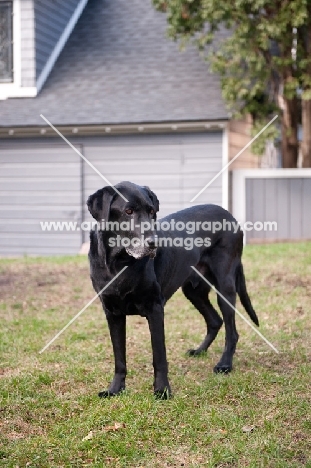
column 260, row 48
column 271, row 133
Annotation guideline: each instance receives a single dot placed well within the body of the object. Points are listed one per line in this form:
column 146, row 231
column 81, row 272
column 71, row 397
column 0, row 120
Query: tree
column 264, row 59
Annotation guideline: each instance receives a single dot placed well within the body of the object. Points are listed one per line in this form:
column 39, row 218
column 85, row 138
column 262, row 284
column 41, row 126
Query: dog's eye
column 129, row 211
column 152, row 212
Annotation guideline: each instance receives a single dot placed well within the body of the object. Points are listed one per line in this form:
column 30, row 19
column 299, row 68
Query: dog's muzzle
column 146, row 247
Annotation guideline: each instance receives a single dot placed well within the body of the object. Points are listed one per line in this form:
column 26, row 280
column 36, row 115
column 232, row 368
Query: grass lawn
column 50, row 415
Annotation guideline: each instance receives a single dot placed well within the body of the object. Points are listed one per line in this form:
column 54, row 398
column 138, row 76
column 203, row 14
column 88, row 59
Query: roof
column 118, row 66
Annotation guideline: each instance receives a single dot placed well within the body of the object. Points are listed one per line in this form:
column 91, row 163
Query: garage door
column 175, row 167
column 38, row 183
column 47, row 181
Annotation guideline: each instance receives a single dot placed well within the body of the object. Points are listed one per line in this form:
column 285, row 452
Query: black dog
column 154, row 273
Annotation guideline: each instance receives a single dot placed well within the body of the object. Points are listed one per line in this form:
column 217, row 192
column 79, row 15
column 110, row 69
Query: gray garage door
column 175, row 167
column 38, row 183
column 42, row 181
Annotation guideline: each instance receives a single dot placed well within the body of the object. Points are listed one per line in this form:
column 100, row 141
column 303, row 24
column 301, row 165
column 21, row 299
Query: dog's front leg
column 156, row 325
column 117, row 328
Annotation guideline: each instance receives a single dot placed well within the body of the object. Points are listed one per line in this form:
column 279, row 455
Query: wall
column 239, row 134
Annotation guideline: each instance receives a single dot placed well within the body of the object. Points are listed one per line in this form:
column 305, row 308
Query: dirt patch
column 18, row 428
column 291, row 280
column 8, row 372
column 5, row 280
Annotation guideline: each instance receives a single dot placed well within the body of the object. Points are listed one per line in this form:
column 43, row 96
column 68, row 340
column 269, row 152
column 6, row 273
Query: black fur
column 147, row 283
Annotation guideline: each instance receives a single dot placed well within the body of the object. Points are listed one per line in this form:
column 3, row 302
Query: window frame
column 10, row 78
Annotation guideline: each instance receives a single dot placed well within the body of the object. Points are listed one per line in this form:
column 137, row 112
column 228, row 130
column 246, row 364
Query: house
column 136, row 107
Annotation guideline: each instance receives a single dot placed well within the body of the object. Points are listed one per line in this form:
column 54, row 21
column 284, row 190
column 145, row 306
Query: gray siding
column 38, row 183
column 28, row 67
column 286, row 201
column 51, row 18
column 175, row 167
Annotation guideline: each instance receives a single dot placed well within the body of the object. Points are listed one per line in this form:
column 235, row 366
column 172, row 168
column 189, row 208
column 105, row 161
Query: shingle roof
column 117, row 67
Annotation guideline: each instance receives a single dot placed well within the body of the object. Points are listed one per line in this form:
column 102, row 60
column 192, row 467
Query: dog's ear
column 99, row 206
column 153, row 198
column 99, row 203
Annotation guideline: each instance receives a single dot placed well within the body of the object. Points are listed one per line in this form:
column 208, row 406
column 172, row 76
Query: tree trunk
column 306, row 132
column 304, row 33
column 289, row 132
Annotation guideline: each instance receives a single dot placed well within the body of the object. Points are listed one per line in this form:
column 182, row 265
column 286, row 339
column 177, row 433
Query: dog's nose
column 151, row 241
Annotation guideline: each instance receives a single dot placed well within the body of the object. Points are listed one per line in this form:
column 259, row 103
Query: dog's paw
column 222, row 369
column 195, row 352
column 165, row 394
column 108, row 393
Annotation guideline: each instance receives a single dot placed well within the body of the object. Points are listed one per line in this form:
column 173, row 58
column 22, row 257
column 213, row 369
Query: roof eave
column 113, row 129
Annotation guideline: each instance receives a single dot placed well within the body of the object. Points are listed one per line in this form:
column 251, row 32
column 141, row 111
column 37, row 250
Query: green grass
column 50, row 415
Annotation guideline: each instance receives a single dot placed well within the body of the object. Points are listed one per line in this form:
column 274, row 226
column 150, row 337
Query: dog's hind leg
column 198, row 296
column 226, row 285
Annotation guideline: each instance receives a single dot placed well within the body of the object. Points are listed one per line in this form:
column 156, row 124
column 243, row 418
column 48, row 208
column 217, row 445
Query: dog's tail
column 244, row 297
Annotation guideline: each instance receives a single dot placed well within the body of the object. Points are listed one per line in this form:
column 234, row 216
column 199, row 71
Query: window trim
column 14, row 88
column 9, row 3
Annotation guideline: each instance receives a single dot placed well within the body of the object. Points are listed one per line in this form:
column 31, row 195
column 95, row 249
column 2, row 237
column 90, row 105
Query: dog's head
column 130, row 220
